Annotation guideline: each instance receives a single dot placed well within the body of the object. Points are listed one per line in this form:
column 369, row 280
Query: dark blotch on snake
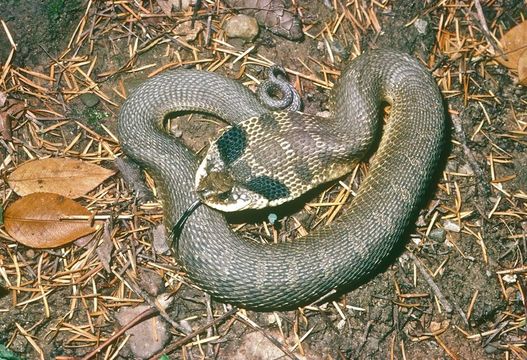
column 269, row 122
column 269, row 188
column 304, row 173
column 231, row 144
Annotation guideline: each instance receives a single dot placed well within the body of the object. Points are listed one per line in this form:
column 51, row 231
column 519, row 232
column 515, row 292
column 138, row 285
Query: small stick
column 442, row 299
column 193, row 334
column 275, row 342
column 472, row 162
column 485, row 28
column 139, row 318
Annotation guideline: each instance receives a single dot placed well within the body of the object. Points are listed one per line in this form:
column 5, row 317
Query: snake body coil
column 291, row 274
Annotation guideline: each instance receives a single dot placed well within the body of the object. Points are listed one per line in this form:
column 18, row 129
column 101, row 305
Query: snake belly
column 333, row 257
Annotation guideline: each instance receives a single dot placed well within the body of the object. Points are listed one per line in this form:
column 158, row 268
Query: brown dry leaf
column 167, row 5
column 105, row 249
column 522, row 68
column 278, row 16
column 9, row 110
column 3, row 98
column 68, row 177
column 188, row 30
column 5, row 126
column 513, row 43
column 38, row 220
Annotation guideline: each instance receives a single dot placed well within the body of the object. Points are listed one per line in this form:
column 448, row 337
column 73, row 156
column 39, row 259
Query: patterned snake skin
column 339, row 256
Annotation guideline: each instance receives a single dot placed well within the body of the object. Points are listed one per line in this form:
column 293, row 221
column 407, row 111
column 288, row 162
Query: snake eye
column 224, row 195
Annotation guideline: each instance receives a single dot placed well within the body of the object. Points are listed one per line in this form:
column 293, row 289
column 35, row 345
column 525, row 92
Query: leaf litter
column 400, row 314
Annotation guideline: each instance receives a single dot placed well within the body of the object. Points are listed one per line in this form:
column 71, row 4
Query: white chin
column 200, row 173
column 238, row 205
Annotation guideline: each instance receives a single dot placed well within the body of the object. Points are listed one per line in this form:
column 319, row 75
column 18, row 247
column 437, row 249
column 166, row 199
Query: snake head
column 219, row 181
column 225, row 182
column 216, row 186
column 222, row 190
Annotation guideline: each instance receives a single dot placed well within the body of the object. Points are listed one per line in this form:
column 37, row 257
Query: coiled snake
column 337, row 256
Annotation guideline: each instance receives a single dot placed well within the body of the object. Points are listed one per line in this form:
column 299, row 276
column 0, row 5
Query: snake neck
column 142, row 126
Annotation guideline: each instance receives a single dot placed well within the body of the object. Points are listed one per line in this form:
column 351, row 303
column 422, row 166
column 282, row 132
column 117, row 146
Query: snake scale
column 337, row 256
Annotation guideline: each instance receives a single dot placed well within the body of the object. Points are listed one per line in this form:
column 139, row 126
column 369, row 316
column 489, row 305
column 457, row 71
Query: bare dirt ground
column 456, row 289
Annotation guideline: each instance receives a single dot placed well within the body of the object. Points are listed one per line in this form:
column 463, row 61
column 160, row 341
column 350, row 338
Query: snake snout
column 219, row 190
column 216, row 183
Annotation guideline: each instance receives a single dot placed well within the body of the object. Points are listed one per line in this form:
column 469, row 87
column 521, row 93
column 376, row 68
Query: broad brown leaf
column 9, row 110
column 5, row 126
column 68, row 177
column 522, row 68
column 3, row 98
column 38, row 220
column 513, row 43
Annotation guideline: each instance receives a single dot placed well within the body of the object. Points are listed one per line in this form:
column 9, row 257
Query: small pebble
column 437, row 234
column 451, row 226
column 175, row 130
column 151, row 282
column 416, row 240
column 272, row 218
column 89, row 99
column 510, row 279
column 170, row 5
column 241, row 26
column 271, row 319
column 490, row 349
column 186, row 326
column 421, row 26
column 160, row 243
column 255, row 345
column 489, row 273
column 148, row 337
